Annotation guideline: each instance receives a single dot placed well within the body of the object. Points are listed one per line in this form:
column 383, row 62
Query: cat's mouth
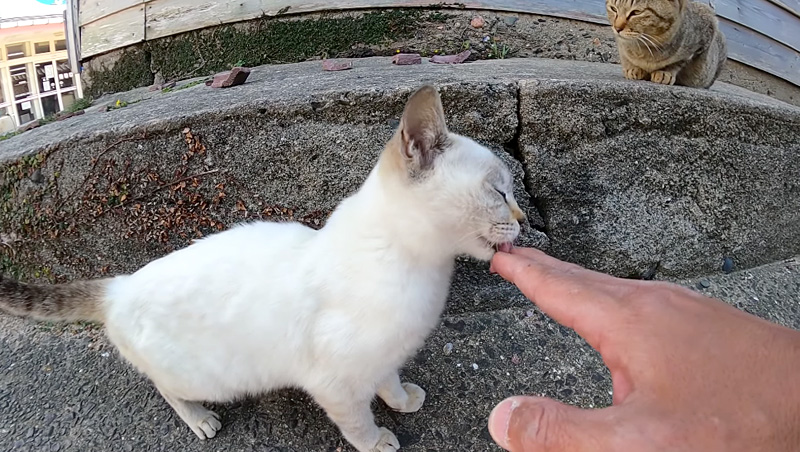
column 504, row 247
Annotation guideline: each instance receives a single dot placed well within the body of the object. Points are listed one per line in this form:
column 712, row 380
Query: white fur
column 336, row 312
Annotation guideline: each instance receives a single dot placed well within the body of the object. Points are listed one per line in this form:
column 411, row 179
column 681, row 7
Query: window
column 15, row 51
column 25, row 112
column 67, row 99
column 2, row 92
column 19, row 81
column 46, row 76
column 41, row 47
column 49, row 105
column 64, row 74
column 61, row 44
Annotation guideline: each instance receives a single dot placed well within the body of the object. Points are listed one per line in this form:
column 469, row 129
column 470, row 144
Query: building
column 36, row 77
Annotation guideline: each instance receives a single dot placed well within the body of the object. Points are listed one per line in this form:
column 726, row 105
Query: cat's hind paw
column 634, row 73
column 387, row 442
column 663, row 77
column 416, row 397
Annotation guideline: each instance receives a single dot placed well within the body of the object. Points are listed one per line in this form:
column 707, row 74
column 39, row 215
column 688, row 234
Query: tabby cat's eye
column 612, row 8
column 635, row 12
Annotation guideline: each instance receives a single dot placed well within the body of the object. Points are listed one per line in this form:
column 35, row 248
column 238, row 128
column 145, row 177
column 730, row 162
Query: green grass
column 499, row 51
column 80, row 104
column 8, row 135
column 178, row 88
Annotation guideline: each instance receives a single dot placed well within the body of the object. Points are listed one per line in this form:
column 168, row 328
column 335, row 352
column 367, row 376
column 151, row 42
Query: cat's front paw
column 634, row 73
column 416, row 397
column 663, row 77
column 387, row 442
column 208, row 426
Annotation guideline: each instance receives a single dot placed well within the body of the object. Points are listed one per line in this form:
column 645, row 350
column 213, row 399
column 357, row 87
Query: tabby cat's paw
column 634, row 73
column 387, row 442
column 416, row 396
column 663, row 77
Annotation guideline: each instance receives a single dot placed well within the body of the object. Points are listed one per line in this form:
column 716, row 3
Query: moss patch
column 130, row 70
column 267, row 40
column 270, row 40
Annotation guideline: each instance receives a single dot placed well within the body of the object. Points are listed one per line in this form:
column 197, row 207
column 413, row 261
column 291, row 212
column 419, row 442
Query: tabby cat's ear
column 423, row 131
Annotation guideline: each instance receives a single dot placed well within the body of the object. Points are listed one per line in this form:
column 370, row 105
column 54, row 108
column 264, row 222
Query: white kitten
column 336, row 311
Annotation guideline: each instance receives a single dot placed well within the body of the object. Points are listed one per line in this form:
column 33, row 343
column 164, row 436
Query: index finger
column 573, row 296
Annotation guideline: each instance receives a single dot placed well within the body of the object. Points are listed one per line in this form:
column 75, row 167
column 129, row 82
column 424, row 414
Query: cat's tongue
column 504, row 247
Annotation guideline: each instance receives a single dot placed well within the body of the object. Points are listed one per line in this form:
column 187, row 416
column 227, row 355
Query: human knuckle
column 543, row 428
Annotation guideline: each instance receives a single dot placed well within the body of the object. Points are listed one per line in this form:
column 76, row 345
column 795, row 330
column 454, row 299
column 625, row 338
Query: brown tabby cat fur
column 668, row 41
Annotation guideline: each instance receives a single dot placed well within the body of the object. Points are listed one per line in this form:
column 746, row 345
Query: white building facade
column 36, row 77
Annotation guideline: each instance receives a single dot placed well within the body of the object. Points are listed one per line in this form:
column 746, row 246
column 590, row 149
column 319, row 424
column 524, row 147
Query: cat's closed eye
column 635, row 12
column 612, row 8
column 502, row 193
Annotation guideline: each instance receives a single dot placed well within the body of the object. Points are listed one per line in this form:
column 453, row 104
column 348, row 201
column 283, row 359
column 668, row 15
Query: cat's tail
column 79, row 300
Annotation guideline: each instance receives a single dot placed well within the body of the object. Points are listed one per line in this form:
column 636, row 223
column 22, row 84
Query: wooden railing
column 764, row 34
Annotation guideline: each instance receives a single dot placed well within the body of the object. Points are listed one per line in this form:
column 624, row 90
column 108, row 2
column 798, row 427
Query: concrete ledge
column 658, row 178
column 626, row 174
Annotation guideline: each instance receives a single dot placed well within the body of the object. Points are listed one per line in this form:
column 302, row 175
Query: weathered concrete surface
column 117, row 189
column 66, row 389
column 659, row 177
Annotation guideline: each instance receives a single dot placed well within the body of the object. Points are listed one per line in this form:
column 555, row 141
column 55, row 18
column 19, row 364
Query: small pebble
column 37, row 177
column 477, row 22
column 704, row 284
column 511, row 20
column 515, row 359
column 332, row 65
column 448, row 348
column 451, row 59
column 727, row 265
column 234, row 77
column 403, row 59
column 474, row 366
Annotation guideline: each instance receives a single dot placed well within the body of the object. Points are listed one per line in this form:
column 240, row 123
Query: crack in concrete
column 515, row 150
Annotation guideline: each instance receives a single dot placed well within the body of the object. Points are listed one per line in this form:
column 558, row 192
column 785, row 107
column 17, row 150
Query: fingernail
column 499, row 420
column 491, row 268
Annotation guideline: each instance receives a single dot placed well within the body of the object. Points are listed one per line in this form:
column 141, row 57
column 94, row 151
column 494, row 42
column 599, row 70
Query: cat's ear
column 423, row 131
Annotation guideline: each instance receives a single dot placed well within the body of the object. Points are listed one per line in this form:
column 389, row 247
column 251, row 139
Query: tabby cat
column 668, row 41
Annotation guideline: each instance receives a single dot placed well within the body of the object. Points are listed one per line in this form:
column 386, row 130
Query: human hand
column 689, row 373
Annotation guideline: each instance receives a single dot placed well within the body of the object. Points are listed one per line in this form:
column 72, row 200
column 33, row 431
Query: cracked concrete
column 627, row 175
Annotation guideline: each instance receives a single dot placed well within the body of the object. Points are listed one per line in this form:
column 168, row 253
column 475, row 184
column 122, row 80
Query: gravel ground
column 66, row 389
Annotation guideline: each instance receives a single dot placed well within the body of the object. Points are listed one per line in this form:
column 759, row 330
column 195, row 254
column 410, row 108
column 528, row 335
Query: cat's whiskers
column 641, row 39
column 468, row 236
column 656, row 43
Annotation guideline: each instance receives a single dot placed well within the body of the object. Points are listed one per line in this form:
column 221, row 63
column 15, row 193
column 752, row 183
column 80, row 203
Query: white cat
column 336, row 311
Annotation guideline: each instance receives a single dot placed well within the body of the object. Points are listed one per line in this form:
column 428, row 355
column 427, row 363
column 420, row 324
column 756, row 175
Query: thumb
column 534, row 424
